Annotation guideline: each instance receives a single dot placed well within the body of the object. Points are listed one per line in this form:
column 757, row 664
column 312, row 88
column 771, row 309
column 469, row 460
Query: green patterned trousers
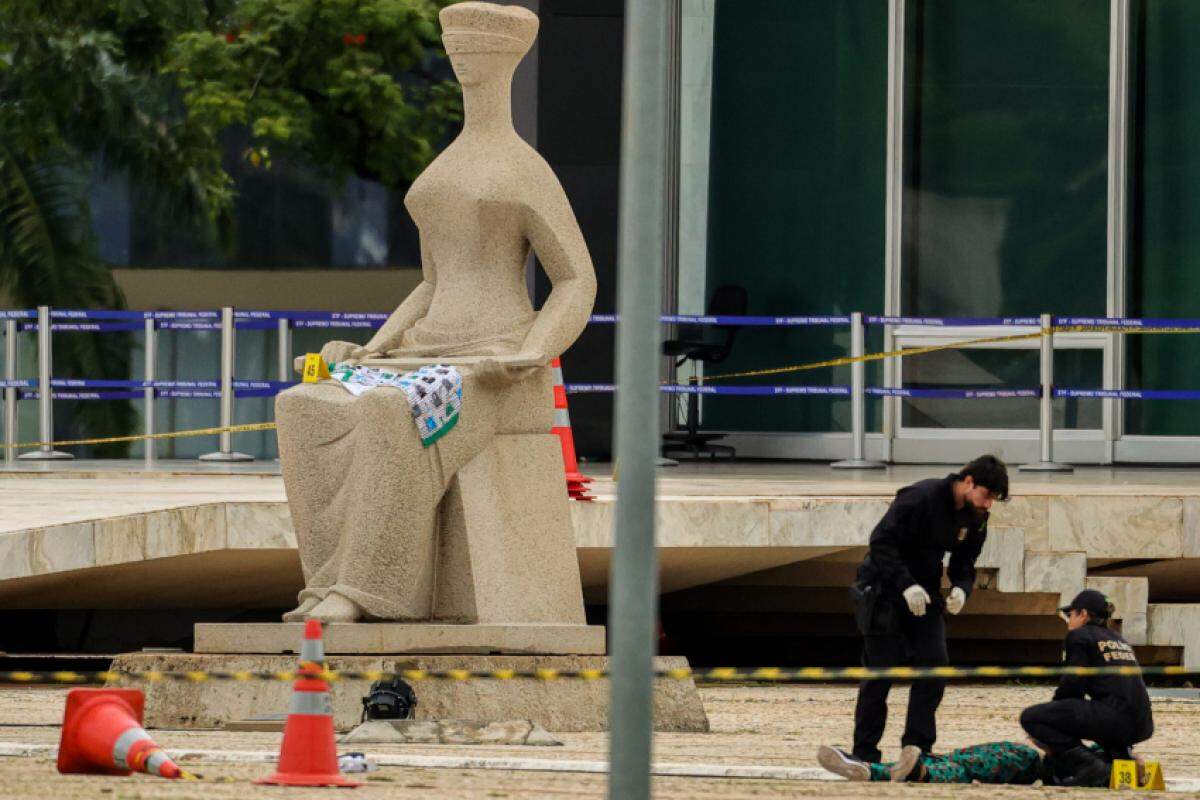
column 995, row 762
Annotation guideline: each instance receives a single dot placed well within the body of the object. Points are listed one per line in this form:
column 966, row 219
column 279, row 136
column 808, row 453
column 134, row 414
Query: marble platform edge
column 392, row 638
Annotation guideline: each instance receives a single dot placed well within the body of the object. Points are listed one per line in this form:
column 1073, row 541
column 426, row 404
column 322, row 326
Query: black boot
column 1085, row 768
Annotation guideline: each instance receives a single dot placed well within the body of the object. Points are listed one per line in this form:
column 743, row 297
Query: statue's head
column 486, row 41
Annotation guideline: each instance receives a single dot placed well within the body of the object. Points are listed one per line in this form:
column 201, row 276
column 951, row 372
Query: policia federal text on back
column 897, row 594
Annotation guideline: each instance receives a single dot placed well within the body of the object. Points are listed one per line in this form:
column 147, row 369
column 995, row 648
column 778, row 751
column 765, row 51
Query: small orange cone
column 102, row 735
column 576, row 481
column 308, row 755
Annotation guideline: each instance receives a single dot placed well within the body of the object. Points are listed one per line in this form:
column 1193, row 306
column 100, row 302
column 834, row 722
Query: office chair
column 710, row 344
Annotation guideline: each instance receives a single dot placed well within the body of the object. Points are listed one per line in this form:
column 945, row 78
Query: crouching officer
column 1111, row 710
column 897, row 597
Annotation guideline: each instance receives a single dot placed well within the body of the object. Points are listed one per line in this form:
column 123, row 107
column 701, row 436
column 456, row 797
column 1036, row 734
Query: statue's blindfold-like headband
column 480, row 42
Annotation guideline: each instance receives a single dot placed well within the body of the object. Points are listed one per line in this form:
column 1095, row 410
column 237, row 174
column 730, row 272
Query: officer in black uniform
column 897, row 597
column 1111, row 710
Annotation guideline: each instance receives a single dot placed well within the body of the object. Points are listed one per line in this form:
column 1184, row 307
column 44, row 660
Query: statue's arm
column 415, row 306
column 554, row 234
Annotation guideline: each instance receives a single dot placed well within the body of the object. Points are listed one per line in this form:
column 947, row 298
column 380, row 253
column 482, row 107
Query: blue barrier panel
column 743, row 391
column 758, row 391
column 73, row 395
column 98, row 314
column 86, row 327
column 336, row 323
column 186, row 394
column 702, row 319
column 1130, row 394
column 953, row 394
column 1122, row 322
column 187, row 325
column 87, row 383
column 946, row 322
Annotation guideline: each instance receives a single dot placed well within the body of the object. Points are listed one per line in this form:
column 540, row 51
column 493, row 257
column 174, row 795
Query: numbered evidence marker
column 315, row 368
column 1125, row 776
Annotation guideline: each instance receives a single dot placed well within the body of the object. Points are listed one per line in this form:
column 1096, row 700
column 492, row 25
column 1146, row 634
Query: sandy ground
column 750, row 725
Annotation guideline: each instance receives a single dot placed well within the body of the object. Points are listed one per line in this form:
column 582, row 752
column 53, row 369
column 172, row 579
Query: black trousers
column 1061, row 725
column 899, row 639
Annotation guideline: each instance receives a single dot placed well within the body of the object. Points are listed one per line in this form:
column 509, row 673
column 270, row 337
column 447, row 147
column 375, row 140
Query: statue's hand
column 331, row 352
column 365, row 352
column 509, row 370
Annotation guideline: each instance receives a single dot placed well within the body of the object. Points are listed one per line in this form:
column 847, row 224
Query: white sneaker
column 839, row 763
column 910, row 759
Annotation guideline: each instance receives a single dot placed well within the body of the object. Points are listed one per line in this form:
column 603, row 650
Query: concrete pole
column 45, row 394
column 634, row 584
column 1046, row 418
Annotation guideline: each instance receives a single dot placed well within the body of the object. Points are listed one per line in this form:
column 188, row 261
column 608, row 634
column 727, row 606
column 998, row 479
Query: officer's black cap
column 1091, row 601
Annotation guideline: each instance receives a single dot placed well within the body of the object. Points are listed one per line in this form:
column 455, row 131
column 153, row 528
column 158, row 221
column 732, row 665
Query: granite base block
column 564, row 705
column 383, row 638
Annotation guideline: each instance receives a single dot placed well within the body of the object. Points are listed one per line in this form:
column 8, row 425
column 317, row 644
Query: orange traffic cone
column 576, row 481
column 308, row 755
column 102, row 735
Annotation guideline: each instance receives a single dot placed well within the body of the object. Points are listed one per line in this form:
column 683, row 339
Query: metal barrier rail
column 45, row 321
column 714, row 675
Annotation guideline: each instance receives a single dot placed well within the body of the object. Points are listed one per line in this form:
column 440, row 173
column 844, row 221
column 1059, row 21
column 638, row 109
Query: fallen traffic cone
column 308, row 755
column 576, row 481
column 102, row 735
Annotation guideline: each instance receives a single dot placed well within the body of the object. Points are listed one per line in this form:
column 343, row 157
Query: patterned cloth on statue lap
column 434, row 393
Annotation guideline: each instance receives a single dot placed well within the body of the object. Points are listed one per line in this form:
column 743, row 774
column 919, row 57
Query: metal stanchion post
column 227, row 361
column 285, row 350
column 1046, row 422
column 148, row 374
column 858, row 401
column 10, row 392
column 45, row 394
column 285, row 368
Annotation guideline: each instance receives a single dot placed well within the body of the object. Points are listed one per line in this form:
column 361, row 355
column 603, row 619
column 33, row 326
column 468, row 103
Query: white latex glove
column 956, row 600
column 917, row 599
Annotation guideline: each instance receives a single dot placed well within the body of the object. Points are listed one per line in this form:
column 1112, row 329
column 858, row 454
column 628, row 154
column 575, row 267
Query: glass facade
column 796, row 191
column 1006, row 151
column 1163, row 274
column 285, row 218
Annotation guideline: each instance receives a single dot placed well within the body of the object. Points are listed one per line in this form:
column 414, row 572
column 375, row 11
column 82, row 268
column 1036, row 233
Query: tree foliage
column 148, row 90
column 349, row 86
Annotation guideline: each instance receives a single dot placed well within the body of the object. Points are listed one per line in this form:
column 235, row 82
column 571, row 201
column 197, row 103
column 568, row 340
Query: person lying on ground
column 994, row 762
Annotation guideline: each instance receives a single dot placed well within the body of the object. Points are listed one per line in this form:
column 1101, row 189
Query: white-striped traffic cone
column 308, row 755
column 576, row 481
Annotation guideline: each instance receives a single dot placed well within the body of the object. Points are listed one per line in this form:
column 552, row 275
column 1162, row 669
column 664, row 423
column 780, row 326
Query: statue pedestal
column 565, row 705
column 383, row 638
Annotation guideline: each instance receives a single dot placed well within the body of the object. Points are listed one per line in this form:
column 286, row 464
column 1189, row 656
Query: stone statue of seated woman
column 365, row 494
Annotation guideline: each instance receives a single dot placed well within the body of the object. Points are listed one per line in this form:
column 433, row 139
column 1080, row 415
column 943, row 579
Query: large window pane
column 1006, row 157
column 1000, row 369
column 1164, row 243
column 796, row 188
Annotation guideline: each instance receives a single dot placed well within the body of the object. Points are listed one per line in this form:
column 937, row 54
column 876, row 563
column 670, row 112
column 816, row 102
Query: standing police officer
column 898, row 602
column 1111, row 710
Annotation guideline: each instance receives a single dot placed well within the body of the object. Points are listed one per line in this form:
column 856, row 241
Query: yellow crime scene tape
column 713, row 675
column 248, row 427
column 315, row 369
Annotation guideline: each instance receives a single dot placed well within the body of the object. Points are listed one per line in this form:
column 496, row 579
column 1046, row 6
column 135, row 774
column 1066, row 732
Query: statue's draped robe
column 363, row 491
